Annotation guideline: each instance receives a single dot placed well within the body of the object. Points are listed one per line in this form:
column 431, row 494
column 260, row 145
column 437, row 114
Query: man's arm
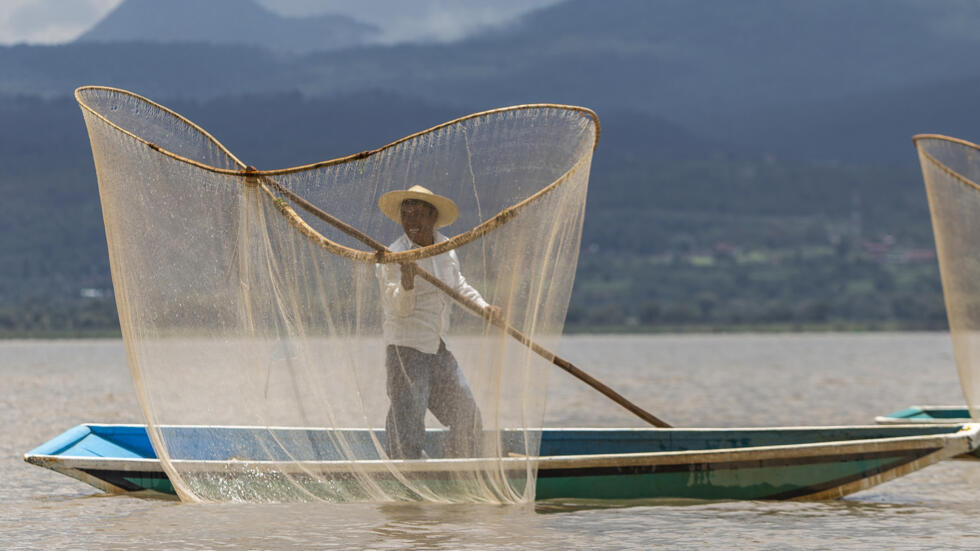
column 464, row 288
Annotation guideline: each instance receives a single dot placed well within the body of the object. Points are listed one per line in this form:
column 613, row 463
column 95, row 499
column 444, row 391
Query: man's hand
column 408, row 276
column 494, row 312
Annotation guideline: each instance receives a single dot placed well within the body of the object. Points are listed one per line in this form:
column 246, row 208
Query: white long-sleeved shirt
column 419, row 317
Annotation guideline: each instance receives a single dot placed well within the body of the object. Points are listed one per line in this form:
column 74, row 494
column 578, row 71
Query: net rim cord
column 941, row 137
column 300, row 168
column 939, row 164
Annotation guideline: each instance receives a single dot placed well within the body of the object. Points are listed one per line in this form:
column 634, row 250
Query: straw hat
column 391, row 203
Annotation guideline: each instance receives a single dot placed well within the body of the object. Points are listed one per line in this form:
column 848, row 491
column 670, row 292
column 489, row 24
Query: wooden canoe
column 580, row 463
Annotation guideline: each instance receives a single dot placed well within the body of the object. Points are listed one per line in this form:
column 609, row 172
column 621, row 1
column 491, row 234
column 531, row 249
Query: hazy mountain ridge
column 241, row 22
column 419, row 20
column 731, row 72
column 872, row 126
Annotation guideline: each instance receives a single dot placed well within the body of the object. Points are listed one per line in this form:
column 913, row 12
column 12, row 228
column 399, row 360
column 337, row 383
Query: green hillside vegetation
column 740, row 244
column 722, row 242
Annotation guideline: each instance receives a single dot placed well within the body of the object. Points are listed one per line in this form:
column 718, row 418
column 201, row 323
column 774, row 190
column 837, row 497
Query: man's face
column 419, row 221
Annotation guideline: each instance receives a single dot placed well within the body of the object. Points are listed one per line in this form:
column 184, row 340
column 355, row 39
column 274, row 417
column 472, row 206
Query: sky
column 49, row 21
column 60, row 21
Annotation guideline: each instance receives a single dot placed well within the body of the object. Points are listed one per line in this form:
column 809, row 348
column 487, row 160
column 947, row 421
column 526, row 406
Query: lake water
column 688, row 380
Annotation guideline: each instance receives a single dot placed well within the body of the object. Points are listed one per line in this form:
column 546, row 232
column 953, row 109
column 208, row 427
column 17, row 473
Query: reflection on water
column 557, row 506
column 355, row 526
column 695, row 380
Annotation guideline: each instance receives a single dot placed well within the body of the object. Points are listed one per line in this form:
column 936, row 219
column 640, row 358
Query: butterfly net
column 276, row 350
column 951, row 169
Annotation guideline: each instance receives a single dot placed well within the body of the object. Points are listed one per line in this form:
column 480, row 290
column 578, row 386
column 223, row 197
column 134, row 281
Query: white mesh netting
column 951, row 169
column 249, row 315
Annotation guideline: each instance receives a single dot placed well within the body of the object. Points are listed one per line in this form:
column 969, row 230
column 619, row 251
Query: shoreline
column 624, row 329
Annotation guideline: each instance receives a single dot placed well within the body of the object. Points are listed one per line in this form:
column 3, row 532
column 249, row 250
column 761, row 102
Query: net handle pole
column 476, row 309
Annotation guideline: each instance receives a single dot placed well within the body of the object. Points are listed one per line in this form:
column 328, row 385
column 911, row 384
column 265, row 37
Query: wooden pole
column 470, row 305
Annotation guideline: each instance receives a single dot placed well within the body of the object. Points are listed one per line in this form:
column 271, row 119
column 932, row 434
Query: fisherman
column 421, row 372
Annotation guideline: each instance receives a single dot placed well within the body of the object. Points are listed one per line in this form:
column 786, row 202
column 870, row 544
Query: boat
column 926, row 414
column 795, row 463
column 930, row 415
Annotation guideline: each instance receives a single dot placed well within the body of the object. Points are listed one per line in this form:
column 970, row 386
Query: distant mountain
column 825, row 80
column 875, row 127
column 306, row 130
column 240, row 22
column 707, row 63
column 404, row 21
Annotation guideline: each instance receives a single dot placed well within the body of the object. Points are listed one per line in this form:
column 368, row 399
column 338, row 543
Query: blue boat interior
column 284, row 444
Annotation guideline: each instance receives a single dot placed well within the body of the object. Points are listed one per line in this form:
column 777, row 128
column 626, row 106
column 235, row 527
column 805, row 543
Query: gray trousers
column 418, row 381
